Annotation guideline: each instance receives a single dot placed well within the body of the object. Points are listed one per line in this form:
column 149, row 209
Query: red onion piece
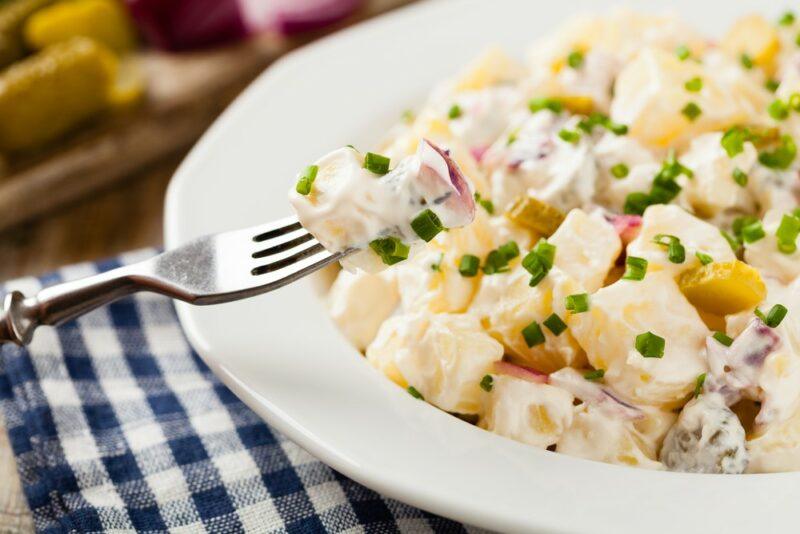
column 478, row 152
column 627, row 226
column 293, row 16
column 521, row 372
column 595, row 394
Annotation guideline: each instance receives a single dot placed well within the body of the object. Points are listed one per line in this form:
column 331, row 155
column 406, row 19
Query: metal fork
column 209, row 270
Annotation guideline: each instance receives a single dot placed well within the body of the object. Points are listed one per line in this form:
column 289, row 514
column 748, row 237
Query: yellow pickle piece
column 49, row 93
column 13, row 14
column 723, row 288
column 105, row 21
column 535, row 215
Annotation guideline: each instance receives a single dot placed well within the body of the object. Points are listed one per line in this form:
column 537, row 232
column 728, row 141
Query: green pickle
column 13, row 15
column 47, row 94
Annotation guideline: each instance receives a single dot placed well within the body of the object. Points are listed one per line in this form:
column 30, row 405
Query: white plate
column 283, row 357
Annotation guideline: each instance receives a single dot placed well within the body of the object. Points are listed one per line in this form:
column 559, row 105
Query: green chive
column 555, row 324
column 676, row 252
column 723, row 338
column 407, row 116
column 782, row 156
column 427, row 225
column 797, row 40
column 511, row 138
column 774, row 316
column 538, row 104
column 732, row 241
column 468, row 266
column 620, row 170
column 794, row 101
column 753, row 232
column 635, row 268
column 694, row 85
column 740, row 177
column 698, row 384
column 787, row 19
column 546, row 251
column 733, row 141
column 650, row 345
column 778, row 110
column 533, row 334
column 597, row 374
column 575, row 59
column 390, row 249
column 414, row 393
column 306, row 180
column 636, row 203
column 740, row 222
column 682, row 52
column 772, row 85
column 577, row 303
column 484, row 203
column 510, row 250
column 691, row 111
column 376, row 163
column 454, row 112
column 537, row 269
column 487, row 382
column 746, row 60
column 438, row 265
column 704, row 258
column 787, row 234
column 570, row 136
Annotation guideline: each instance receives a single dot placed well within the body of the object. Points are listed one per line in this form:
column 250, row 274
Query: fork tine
column 305, row 250
column 277, row 228
column 283, row 243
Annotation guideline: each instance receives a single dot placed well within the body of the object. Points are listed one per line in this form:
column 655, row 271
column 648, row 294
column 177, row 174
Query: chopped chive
column 533, row 334
column 733, row 141
column 306, row 180
column 487, row 383
column 740, row 222
column 427, row 225
column 787, row 233
column 497, row 260
column 676, row 252
column 797, row 39
column 555, row 324
column 704, row 258
column 414, row 393
column 691, row 111
column 746, row 60
column 538, row 104
column 650, row 345
column 376, row 163
column 575, row 59
column 740, row 177
column 732, row 241
column 682, row 52
column 454, row 112
column 753, row 232
column 512, row 137
column 407, row 116
column 597, row 374
column 510, row 250
column 723, row 338
column 636, row 203
column 774, row 317
column 794, row 101
column 772, row 85
column 438, row 265
column 538, row 272
column 546, row 251
column 635, row 268
column 787, row 19
column 577, row 303
column 539, row 261
column 390, row 249
column 698, row 384
column 620, row 170
column 570, row 136
column 694, row 85
column 484, row 203
column 468, row 266
column 782, row 156
column 778, row 110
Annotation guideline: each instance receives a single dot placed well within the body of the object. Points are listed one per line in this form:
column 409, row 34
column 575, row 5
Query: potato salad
column 592, row 250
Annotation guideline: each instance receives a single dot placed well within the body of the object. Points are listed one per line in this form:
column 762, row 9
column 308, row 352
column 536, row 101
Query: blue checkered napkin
column 118, row 425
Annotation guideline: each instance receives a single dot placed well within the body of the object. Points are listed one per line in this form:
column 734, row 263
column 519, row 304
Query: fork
column 213, row 269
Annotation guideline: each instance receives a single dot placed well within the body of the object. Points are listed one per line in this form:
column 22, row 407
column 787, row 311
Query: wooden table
column 126, row 215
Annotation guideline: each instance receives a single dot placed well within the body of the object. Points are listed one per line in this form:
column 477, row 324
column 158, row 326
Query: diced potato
column 535, row 215
column 650, row 95
column 587, row 247
column 755, row 36
column 490, row 68
column 443, row 356
column 618, row 314
column 536, row 414
column 723, row 288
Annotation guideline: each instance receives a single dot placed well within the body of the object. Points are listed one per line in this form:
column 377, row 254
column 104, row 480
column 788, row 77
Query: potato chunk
column 755, row 36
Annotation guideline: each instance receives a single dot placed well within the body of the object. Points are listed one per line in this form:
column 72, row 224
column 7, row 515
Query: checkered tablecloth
column 116, row 424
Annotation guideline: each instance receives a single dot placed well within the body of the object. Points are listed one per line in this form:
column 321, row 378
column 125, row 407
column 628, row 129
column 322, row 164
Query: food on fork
column 620, row 275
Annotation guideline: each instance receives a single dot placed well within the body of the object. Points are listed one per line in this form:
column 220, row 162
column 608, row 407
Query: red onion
column 627, row 226
column 186, row 24
column 521, row 372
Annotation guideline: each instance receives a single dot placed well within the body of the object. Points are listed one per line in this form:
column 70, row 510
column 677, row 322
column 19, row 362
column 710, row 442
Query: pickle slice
column 13, row 14
column 723, row 288
column 535, row 215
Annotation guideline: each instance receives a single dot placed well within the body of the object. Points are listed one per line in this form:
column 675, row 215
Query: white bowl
column 283, row 357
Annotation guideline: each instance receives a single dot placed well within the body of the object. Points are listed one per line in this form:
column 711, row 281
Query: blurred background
column 101, row 99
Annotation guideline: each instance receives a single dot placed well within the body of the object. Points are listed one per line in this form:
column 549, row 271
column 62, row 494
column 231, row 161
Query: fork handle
column 57, row 304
